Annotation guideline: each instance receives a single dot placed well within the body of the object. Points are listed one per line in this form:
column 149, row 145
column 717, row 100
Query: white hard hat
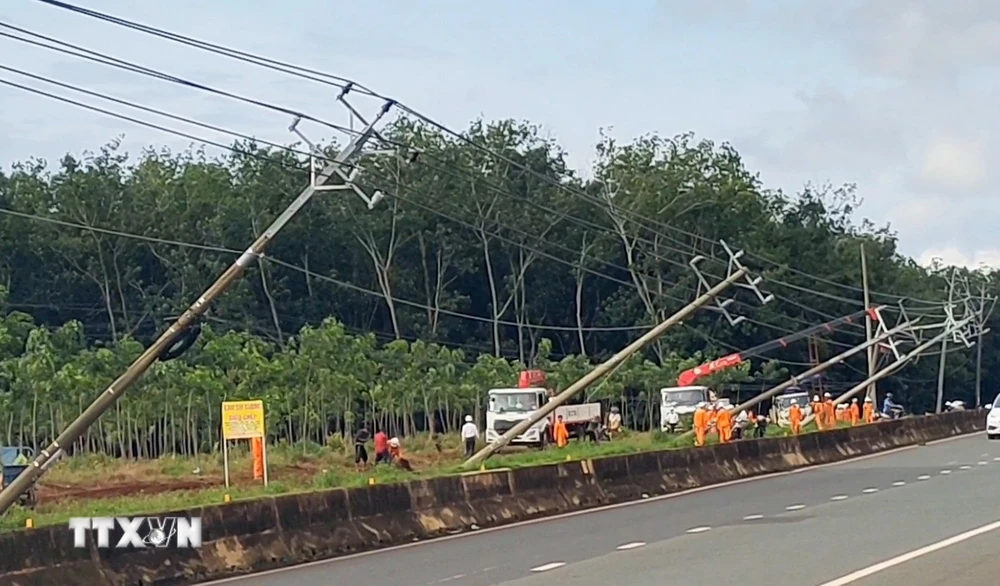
column 394, row 442
column 868, row 399
column 816, row 398
column 795, row 401
column 827, row 395
column 468, row 419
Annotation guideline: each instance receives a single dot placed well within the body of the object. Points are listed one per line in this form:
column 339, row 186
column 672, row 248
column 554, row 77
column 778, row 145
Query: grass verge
column 293, row 469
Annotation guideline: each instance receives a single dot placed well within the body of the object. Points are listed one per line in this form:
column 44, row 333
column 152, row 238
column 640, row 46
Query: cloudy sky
column 899, row 97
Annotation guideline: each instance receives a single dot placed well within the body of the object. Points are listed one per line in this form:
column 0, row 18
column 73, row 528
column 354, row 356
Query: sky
column 898, row 97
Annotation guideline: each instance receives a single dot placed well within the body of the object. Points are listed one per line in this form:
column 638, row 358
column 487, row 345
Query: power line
column 165, row 129
column 341, row 82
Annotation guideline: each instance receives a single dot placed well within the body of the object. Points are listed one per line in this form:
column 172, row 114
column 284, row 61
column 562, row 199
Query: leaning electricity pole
column 949, row 311
column 342, row 166
column 868, row 320
column 796, row 380
column 602, row 369
column 949, row 329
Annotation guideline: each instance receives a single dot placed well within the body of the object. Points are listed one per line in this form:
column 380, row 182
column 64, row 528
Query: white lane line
column 924, row 477
column 983, row 462
column 839, row 497
column 455, row 577
column 964, row 467
column 548, row 567
column 952, row 463
column 869, row 490
column 632, row 545
column 698, row 530
column 753, row 517
column 865, row 572
column 794, row 507
column 899, row 483
column 946, row 472
column 996, row 459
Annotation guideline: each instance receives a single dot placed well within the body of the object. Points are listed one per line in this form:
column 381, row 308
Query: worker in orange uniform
column 257, row 448
column 724, row 423
column 795, row 417
column 819, row 414
column 700, row 424
column 854, row 411
column 560, row 433
column 831, row 411
column 869, row 411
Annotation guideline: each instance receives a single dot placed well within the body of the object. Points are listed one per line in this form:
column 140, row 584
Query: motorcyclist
column 890, row 408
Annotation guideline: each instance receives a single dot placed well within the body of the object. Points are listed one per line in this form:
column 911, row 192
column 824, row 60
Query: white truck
column 780, row 405
column 508, row 407
column 683, row 401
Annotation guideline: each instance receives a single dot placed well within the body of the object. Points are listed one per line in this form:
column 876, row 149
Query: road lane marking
column 946, row 472
column 794, row 507
column 964, row 467
column 548, row 567
column 901, row 559
column 839, row 497
column 968, row 437
column 455, row 577
column 983, row 462
column 924, row 477
column 997, row 459
column 899, row 483
column 632, row 545
column 698, row 530
column 753, row 517
column 869, row 490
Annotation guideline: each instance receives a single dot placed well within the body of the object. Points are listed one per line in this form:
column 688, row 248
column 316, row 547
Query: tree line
column 487, row 249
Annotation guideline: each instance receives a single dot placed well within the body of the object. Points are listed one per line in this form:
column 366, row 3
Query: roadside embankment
column 249, row 536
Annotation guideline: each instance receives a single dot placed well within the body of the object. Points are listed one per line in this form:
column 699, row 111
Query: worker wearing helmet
column 818, row 413
column 869, row 411
column 854, row 411
column 830, row 411
column 470, row 433
column 700, row 424
column 795, row 417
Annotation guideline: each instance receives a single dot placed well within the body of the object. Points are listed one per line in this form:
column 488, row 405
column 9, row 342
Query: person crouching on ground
column 470, row 433
column 382, row 448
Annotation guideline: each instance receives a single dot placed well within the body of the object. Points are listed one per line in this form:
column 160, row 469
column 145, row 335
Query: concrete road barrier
column 250, row 536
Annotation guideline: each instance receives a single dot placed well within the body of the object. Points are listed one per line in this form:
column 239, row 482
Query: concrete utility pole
column 949, row 309
column 898, row 364
column 602, row 369
column 795, row 380
column 984, row 315
column 868, row 319
column 340, row 166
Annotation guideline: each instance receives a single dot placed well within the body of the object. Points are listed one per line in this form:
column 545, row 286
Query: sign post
column 242, row 420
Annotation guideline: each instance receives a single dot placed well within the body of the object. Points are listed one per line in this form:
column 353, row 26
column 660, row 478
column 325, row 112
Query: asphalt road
column 810, row 527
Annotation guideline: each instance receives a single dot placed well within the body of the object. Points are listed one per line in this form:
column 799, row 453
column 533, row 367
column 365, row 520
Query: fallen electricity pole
column 341, row 166
column 795, row 380
column 602, row 369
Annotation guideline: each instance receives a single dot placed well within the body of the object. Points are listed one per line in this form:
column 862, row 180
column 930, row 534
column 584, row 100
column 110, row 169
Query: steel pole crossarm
column 776, row 390
column 602, row 369
column 10, row 493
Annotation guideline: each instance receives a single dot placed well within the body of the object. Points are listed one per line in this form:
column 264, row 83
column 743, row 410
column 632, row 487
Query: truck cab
column 508, row 407
column 683, row 401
